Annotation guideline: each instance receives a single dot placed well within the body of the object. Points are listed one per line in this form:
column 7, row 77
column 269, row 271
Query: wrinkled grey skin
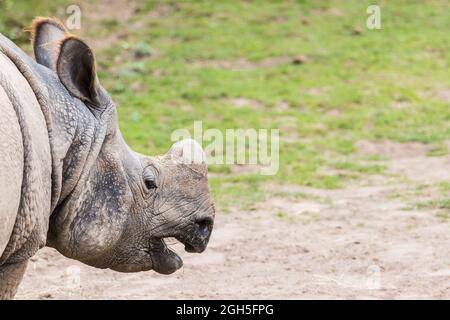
column 69, row 181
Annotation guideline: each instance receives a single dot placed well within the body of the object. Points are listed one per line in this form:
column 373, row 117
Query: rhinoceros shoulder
column 27, row 161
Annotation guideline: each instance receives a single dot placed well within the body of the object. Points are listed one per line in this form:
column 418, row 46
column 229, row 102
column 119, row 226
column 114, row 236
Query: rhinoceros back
column 25, row 162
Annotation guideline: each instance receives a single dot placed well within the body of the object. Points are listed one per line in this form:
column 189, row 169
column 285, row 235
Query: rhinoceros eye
column 150, row 184
column 149, row 179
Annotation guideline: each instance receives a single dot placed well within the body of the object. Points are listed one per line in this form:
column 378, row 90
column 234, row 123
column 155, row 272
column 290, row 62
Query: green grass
column 369, row 84
column 368, row 169
column 445, row 186
column 438, row 150
column 443, row 204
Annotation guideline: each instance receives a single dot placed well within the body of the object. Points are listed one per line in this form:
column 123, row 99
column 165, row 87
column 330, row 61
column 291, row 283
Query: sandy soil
column 365, row 241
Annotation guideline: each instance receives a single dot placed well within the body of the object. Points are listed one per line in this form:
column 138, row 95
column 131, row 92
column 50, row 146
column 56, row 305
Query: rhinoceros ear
column 76, row 70
column 46, row 33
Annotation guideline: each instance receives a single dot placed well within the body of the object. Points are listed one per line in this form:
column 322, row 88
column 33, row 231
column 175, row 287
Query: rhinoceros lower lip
column 164, row 260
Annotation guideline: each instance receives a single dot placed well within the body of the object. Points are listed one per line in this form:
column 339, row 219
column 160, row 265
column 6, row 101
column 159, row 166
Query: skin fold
column 69, row 181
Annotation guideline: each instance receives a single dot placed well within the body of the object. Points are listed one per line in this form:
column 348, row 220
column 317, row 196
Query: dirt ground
column 365, row 241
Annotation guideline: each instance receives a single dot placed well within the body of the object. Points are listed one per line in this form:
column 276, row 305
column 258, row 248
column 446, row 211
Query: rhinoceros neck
column 76, row 138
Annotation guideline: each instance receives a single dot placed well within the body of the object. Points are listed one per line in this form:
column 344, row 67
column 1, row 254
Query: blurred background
column 364, row 123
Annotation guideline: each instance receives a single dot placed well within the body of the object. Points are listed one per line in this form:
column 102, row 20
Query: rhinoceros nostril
column 204, row 226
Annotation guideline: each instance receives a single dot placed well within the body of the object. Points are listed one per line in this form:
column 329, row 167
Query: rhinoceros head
column 115, row 206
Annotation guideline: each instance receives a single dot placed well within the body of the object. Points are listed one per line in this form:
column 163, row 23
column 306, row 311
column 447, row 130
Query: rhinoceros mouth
column 164, row 259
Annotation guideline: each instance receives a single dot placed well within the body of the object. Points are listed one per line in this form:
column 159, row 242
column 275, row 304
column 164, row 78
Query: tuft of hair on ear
column 46, row 34
column 38, row 22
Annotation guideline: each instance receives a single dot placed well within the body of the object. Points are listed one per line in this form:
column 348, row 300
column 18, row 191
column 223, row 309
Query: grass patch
column 444, row 186
column 359, row 168
column 438, row 150
column 434, row 204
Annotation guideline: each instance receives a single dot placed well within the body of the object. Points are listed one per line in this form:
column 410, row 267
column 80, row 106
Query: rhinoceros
column 69, row 181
